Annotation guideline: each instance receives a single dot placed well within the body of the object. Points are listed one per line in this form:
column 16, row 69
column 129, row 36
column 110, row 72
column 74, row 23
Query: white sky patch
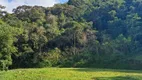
column 15, row 3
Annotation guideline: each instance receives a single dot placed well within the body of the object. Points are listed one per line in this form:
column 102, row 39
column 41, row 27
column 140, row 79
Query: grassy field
column 70, row 74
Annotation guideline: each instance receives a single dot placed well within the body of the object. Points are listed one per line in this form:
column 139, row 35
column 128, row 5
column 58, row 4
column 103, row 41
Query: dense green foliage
column 80, row 33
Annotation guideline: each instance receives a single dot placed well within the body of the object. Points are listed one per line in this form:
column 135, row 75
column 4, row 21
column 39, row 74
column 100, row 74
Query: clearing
column 70, row 74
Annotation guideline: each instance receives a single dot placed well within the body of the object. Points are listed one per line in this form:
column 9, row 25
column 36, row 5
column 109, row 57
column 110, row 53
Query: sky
column 11, row 4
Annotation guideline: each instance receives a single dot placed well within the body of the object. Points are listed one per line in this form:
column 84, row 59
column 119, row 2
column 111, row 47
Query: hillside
column 79, row 33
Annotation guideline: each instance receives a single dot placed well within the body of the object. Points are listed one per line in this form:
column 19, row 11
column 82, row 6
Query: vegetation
column 70, row 74
column 79, row 33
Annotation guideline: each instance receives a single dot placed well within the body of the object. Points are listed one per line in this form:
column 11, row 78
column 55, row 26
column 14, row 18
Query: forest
column 78, row 34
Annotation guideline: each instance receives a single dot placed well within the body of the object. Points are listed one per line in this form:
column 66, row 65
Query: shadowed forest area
column 79, row 34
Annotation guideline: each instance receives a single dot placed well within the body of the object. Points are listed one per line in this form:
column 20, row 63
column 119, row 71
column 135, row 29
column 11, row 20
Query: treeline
column 79, row 33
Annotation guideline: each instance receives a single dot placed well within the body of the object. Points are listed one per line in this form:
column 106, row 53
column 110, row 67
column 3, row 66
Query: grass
column 70, row 74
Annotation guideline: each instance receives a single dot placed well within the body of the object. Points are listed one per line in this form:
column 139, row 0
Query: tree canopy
column 79, row 33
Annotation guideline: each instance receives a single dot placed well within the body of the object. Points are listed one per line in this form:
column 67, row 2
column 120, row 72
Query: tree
column 7, row 38
column 2, row 13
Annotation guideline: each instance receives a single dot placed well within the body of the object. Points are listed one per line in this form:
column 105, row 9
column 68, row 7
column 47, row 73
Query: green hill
column 79, row 34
